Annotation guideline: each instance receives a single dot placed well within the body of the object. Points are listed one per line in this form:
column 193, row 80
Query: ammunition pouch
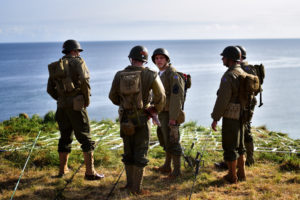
column 130, row 119
column 181, row 117
column 232, row 111
column 78, row 103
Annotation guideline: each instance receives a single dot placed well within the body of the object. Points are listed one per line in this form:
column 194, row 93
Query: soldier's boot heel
column 166, row 167
column 231, row 177
column 63, row 164
column 176, row 167
column 241, row 168
column 136, row 188
column 90, row 173
column 129, row 177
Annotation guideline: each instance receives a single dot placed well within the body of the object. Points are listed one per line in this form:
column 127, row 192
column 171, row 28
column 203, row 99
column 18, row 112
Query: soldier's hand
column 214, row 125
column 172, row 122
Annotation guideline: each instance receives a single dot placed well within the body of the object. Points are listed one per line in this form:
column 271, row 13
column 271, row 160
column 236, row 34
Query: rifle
column 188, row 159
column 260, row 96
column 198, row 162
column 115, row 185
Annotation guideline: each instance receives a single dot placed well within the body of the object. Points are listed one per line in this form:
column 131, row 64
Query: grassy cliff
column 274, row 176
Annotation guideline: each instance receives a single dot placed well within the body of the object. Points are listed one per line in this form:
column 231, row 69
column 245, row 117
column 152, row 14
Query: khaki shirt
column 79, row 74
column 150, row 82
column 174, row 87
column 228, row 91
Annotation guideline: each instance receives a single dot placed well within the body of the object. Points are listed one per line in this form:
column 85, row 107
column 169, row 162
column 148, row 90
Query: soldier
column 131, row 91
column 69, row 85
column 248, row 139
column 228, row 106
column 168, row 133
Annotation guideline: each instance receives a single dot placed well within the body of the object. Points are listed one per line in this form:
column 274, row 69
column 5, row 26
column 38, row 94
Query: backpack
column 187, row 84
column 59, row 72
column 249, row 87
column 131, row 90
column 259, row 71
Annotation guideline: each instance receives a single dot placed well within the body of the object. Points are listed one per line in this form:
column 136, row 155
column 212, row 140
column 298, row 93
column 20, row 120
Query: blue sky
column 98, row 20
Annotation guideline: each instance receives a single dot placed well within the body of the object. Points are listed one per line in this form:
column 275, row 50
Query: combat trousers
column 163, row 134
column 247, row 126
column 232, row 139
column 136, row 146
column 71, row 122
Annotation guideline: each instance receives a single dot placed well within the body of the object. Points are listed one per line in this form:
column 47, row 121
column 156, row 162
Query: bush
column 49, row 117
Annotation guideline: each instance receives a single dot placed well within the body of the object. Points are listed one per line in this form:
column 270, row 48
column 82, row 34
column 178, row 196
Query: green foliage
column 290, row 163
column 190, row 124
column 49, row 117
column 270, row 157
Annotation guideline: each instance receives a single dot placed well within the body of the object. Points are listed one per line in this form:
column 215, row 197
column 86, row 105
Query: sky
column 106, row 20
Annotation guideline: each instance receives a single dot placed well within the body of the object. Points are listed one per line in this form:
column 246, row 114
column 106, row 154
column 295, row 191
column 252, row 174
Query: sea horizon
column 24, row 73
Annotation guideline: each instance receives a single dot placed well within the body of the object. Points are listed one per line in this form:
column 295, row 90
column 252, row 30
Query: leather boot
column 166, row 167
column 176, row 166
column 63, row 163
column 137, row 181
column 129, row 177
column 249, row 151
column 231, row 177
column 90, row 173
column 241, row 168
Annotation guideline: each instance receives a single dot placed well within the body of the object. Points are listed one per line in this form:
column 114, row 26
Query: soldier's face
column 75, row 53
column 225, row 61
column 160, row 61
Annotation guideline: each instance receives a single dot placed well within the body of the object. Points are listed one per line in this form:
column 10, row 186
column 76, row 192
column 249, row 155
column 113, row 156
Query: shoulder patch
column 175, row 89
column 224, row 79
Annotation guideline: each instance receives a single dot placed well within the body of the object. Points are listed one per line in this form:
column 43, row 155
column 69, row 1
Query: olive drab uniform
column 168, row 135
column 135, row 124
column 73, row 95
column 227, row 106
column 248, row 139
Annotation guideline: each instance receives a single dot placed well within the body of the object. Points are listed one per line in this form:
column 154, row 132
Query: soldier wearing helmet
column 69, row 85
column 131, row 91
column 253, row 101
column 168, row 133
column 228, row 107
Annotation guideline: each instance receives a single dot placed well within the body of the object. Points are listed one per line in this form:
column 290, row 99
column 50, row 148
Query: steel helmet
column 160, row 51
column 70, row 45
column 232, row 53
column 243, row 51
column 139, row 53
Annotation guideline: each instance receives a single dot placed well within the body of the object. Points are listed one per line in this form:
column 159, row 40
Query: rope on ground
column 12, row 196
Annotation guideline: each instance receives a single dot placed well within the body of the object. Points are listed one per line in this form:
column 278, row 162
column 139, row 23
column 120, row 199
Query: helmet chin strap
column 164, row 67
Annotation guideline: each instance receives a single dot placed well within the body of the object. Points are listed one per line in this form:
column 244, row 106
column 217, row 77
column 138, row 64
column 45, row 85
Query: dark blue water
column 24, row 73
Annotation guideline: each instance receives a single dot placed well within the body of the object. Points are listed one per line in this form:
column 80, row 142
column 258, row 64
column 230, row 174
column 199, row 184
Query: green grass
column 274, row 176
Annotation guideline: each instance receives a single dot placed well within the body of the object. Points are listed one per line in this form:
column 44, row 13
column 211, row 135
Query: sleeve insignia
column 175, row 89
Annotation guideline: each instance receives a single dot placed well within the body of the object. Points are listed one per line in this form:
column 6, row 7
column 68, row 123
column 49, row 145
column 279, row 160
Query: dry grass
column 265, row 180
column 274, row 176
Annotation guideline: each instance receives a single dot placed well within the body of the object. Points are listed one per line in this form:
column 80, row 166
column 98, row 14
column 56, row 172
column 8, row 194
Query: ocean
column 24, row 74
